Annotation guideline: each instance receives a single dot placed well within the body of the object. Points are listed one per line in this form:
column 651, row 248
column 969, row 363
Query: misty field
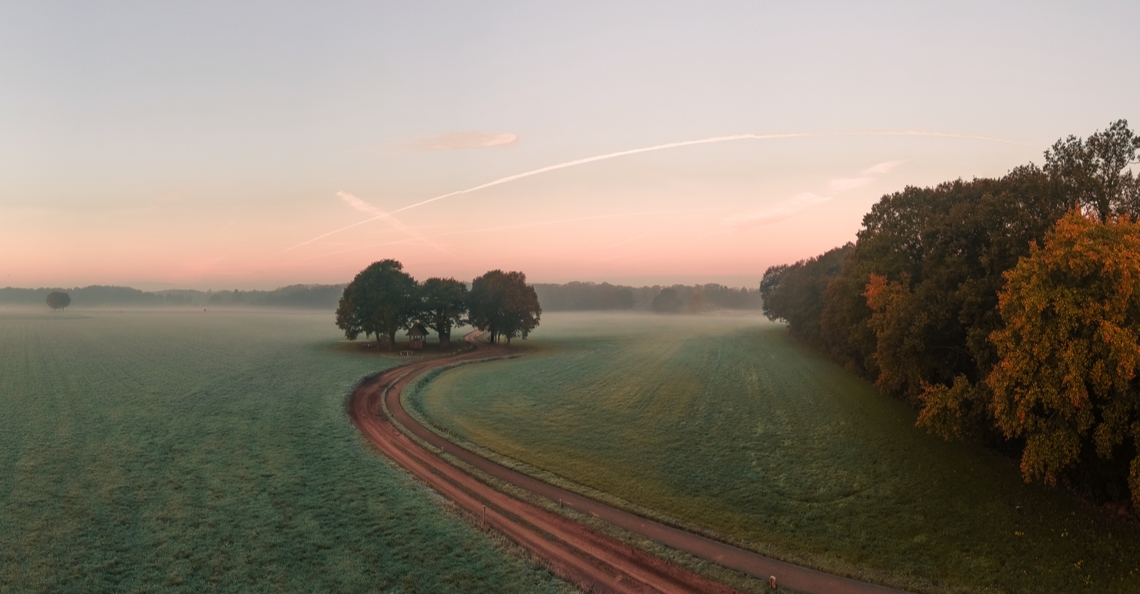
column 727, row 423
column 210, row 452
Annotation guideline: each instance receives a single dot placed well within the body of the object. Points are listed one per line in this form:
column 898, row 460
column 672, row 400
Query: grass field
column 210, row 452
column 728, row 423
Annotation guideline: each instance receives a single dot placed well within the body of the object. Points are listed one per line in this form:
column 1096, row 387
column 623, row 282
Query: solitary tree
column 380, row 301
column 58, row 300
column 504, row 304
column 443, row 302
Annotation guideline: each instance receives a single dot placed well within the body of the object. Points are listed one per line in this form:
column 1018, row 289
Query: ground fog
column 209, row 452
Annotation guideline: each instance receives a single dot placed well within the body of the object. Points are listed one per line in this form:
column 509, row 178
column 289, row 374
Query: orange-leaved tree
column 1069, row 352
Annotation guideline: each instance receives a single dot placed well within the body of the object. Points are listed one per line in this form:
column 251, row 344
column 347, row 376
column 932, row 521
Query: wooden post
column 772, row 580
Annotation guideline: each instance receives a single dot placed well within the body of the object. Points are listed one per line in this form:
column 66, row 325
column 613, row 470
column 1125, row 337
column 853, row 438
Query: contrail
column 650, row 149
column 504, row 228
column 363, row 206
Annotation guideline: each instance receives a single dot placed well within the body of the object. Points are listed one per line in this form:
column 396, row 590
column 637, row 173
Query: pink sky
column 167, row 148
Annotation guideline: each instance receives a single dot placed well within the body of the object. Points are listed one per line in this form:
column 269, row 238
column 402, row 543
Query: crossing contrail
column 650, row 149
column 363, row 206
column 507, row 227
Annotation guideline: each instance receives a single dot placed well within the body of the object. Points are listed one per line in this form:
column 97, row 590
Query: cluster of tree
column 1007, row 310
column 383, row 299
column 579, row 296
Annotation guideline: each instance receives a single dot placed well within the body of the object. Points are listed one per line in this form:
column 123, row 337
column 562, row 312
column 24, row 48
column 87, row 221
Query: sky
column 251, row 145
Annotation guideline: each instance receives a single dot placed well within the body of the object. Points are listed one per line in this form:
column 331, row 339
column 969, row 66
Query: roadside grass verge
column 210, row 452
column 728, row 424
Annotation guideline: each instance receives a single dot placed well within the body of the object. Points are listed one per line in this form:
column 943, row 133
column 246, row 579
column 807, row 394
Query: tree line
column 91, row 296
column 586, row 296
column 1006, row 310
column 572, row 296
column 383, row 299
column 292, row 296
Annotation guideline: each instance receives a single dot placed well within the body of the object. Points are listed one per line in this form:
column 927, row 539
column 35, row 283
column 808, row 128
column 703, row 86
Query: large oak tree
column 502, row 303
column 380, row 301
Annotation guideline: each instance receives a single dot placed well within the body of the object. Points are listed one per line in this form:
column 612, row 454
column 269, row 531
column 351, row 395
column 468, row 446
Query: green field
column 727, row 423
column 210, row 452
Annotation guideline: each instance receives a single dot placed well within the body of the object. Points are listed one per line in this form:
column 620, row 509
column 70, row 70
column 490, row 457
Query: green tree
column 1093, row 173
column 58, row 300
column 504, row 304
column 1069, row 353
column 380, row 301
column 941, row 253
column 795, row 293
column 443, row 302
column 349, row 315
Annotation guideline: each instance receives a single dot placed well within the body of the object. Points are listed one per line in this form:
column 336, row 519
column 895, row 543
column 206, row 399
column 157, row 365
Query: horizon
column 224, row 289
column 161, row 147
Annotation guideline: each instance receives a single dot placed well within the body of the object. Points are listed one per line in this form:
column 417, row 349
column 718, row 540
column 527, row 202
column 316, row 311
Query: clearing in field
column 727, row 423
column 210, row 452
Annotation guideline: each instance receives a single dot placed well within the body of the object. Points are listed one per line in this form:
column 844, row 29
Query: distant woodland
column 296, row 296
column 579, row 296
column 1006, row 310
column 574, row 296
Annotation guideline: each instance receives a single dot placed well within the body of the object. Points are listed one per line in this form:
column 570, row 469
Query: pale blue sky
column 191, row 144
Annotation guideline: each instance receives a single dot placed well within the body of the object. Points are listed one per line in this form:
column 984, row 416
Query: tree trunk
column 445, row 339
column 392, row 340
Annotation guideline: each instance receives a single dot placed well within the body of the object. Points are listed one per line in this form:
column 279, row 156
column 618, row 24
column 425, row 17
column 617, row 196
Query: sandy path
column 591, row 559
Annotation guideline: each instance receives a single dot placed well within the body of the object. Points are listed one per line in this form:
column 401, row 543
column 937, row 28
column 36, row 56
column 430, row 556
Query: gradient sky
column 216, row 145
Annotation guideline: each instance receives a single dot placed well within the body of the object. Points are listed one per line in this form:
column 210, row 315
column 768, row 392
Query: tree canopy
column 443, row 303
column 794, row 293
column 1093, row 173
column 920, row 303
column 380, row 301
column 58, row 300
column 1070, row 348
column 502, row 303
column 384, row 299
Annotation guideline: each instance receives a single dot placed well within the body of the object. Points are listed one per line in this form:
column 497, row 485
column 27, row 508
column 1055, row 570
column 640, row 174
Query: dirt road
column 591, row 559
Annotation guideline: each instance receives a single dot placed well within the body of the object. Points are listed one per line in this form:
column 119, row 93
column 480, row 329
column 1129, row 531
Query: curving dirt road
column 584, row 556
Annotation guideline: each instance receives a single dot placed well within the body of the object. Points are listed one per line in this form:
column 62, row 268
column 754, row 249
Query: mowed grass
column 728, row 423
column 210, row 452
